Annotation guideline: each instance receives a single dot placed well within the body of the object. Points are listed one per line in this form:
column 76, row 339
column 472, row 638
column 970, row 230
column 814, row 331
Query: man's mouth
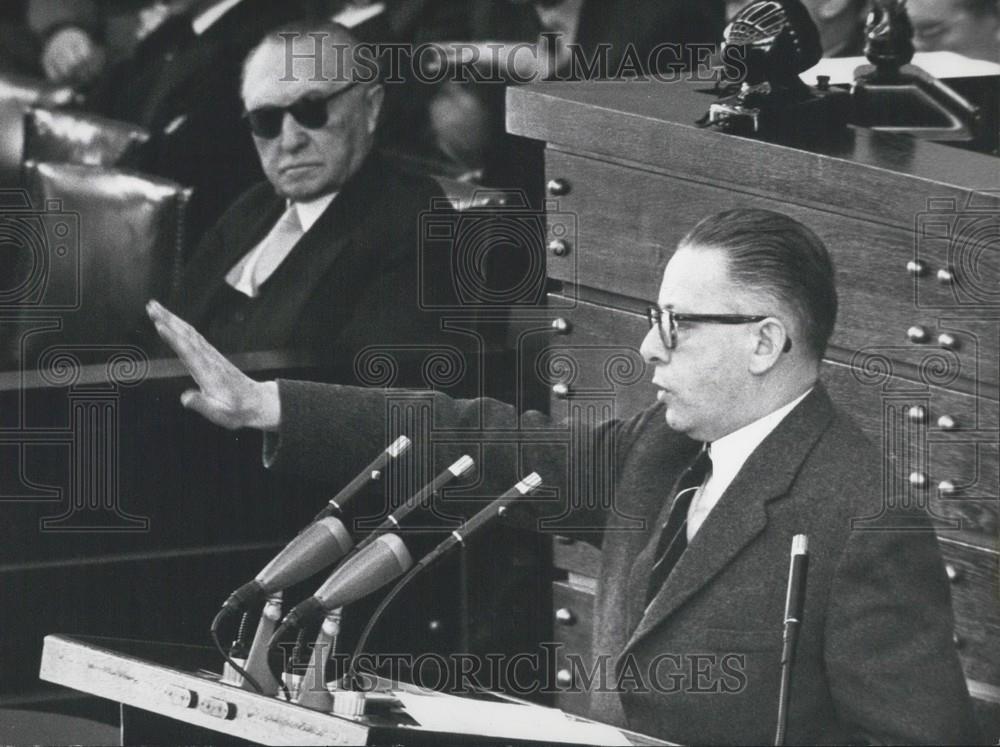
column 662, row 392
column 296, row 167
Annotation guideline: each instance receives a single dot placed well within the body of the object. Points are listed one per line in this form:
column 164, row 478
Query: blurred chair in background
column 61, row 136
column 128, row 247
column 18, row 93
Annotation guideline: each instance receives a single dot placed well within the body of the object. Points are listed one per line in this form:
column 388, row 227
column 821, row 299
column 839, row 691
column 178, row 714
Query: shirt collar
column 732, row 450
column 204, row 20
column 309, row 211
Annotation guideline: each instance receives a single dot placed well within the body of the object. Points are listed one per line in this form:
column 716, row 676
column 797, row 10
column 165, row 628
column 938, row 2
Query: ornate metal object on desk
column 771, row 42
column 894, row 96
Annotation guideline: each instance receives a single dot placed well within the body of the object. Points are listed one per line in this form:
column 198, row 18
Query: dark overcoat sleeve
column 330, row 432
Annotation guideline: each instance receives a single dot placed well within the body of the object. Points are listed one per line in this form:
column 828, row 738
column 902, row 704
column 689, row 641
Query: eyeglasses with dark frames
column 310, row 111
column 665, row 319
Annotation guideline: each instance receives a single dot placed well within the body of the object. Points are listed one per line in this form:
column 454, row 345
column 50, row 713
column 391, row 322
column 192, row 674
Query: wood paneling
column 975, row 594
column 619, row 240
column 572, row 620
column 881, row 176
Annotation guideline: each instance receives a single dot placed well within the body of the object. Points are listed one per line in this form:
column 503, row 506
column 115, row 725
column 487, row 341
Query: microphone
column 394, row 520
column 795, row 599
column 497, row 508
column 369, row 474
column 371, row 568
column 317, row 546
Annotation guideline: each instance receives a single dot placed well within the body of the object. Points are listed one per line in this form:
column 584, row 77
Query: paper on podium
column 506, row 720
column 941, row 65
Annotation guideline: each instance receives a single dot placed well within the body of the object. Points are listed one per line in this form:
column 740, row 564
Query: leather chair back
column 62, row 136
column 17, row 93
column 129, row 244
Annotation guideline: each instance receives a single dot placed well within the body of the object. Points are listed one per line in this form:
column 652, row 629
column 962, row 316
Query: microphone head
column 374, row 566
column 461, row 466
column 319, row 545
column 398, row 447
column 800, row 545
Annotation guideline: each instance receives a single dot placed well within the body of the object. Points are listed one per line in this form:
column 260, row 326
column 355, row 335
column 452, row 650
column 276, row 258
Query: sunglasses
column 310, row 111
column 664, row 319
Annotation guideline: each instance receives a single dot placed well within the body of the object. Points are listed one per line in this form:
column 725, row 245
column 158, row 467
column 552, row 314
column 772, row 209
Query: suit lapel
column 206, row 274
column 336, row 237
column 740, row 515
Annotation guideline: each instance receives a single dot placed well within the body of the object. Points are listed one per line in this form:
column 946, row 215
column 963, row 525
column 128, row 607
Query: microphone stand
column 457, row 537
column 312, row 687
column 794, row 602
column 256, row 664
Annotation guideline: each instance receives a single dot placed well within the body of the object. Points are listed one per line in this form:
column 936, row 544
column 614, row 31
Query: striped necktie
column 673, row 537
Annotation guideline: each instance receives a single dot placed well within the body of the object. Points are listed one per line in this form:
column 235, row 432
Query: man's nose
column 293, row 135
column 652, row 349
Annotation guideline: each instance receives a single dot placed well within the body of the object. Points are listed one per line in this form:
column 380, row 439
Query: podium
column 168, row 696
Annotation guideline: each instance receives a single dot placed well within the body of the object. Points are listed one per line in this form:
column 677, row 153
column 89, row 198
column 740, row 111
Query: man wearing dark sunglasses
column 323, row 257
column 694, row 504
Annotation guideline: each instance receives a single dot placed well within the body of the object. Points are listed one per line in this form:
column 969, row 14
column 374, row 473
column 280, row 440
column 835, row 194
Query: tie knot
column 290, row 219
column 702, row 463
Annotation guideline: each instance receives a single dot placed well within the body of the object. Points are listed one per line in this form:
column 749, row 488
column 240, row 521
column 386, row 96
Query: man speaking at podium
column 743, row 451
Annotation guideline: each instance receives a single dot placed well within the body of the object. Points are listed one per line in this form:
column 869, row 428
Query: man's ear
column 769, row 342
column 375, row 96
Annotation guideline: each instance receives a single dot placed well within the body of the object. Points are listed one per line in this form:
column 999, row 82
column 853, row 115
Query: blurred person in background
column 969, row 27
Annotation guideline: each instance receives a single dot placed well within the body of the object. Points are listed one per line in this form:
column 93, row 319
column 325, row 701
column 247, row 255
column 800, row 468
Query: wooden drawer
column 594, row 361
column 572, row 632
column 975, row 597
column 621, row 224
column 954, row 471
column 576, row 557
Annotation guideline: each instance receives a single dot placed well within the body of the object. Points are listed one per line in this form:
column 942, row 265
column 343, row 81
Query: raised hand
column 225, row 395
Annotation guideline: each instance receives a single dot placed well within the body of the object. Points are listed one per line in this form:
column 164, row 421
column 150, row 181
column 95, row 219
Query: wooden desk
column 914, row 229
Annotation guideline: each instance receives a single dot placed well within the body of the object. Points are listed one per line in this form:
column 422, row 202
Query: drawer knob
column 947, row 487
column 947, row 423
column 917, row 414
column 434, row 626
column 916, row 333
column 561, row 326
column 564, row 678
column 561, row 391
column 916, row 267
column 945, row 276
column 565, row 616
column 918, row 479
column 218, row 708
column 559, row 247
column 948, row 341
column 558, row 187
column 952, row 572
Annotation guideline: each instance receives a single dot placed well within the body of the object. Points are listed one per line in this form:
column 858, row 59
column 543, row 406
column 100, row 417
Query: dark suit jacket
column 701, row 665
column 186, row 91
column 351, row 282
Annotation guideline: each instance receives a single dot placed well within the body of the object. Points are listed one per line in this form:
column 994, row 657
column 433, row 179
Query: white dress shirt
column 729, row 454
column 245, row 275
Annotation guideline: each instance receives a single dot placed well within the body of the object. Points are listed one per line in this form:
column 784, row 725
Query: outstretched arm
column 225, row 395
